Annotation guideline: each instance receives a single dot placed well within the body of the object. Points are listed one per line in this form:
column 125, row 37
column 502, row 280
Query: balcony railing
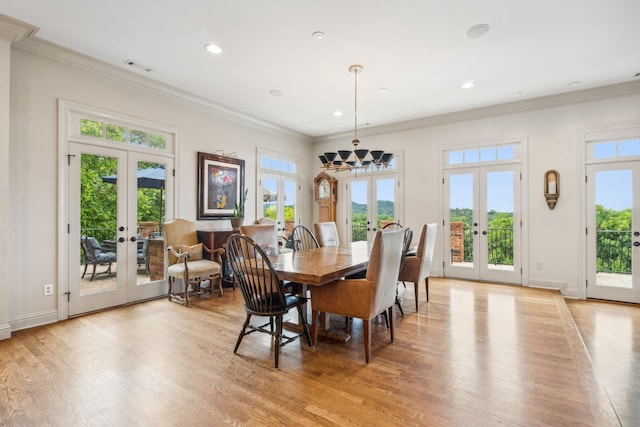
column 613, row 251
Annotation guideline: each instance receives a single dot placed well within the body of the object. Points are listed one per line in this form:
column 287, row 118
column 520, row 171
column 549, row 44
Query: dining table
column 319, row 266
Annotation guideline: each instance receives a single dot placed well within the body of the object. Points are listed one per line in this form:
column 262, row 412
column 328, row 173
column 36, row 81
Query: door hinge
column 521, row 271
column 173, row 173
column 68, row 228
column 443, row 222
column 586, row 179
column 442, row 181
column 69, row 156
column 68, row 294
column 586, row 230
column 586, row 283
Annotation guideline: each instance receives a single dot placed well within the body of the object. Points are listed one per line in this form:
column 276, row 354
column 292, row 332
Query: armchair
column 95, row 255
column 185, row 261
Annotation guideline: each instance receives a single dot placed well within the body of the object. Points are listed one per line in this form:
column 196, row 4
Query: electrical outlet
column 538, row 266
column 48, row 289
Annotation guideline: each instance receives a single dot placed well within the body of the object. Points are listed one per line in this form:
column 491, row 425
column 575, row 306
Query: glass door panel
column 614, row 244
column 385, row 202
column 279, row 199
column 460, row 246
column 359, row 210
column 97, row 269
column 499, row 219
column 289, row 206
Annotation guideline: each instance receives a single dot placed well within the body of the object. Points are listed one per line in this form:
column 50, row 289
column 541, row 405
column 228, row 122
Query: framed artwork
column 220, row 184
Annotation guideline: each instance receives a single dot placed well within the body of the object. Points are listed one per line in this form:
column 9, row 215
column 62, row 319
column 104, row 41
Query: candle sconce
column 551, row 187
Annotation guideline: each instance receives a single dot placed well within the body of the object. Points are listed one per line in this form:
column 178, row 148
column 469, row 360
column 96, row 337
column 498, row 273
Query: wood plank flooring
column 476, row 354
column 611, row 333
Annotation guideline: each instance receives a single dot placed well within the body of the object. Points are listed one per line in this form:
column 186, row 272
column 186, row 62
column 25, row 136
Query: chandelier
column 360, row 159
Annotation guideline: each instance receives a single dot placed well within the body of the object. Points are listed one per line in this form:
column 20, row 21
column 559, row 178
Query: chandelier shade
column 359, row 159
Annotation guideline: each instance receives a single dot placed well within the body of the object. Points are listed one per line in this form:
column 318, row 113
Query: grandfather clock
column 325, row 195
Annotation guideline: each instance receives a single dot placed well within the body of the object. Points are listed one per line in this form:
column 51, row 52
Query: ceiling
column 416, row 53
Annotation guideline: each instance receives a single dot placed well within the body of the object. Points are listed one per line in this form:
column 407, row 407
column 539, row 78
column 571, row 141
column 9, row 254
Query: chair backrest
column 384, row 264
column 387, row 225
column 326, row 233
column 406, row 244
column 302, row 239
column 90, row 247
column 262, row 290
column 264, row 235
column 426, row 247
column 178, row 233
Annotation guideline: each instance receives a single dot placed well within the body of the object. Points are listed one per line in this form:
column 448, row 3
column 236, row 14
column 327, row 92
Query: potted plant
column 238, row 212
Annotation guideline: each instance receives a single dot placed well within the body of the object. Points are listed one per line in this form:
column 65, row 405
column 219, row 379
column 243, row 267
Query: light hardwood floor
column 475, row 355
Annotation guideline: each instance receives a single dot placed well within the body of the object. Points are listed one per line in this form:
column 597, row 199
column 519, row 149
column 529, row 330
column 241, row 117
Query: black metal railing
column 499, row 245
column 358, row 232
column 613, row 251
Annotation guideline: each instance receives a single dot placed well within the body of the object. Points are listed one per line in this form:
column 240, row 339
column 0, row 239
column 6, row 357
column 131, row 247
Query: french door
column 118, row 207
column 279, row 196
column 482, row 223
column 373, row 201
column 613, row 231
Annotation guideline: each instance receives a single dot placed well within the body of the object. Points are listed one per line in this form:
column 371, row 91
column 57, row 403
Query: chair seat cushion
column 106, row 257
column 201, row 267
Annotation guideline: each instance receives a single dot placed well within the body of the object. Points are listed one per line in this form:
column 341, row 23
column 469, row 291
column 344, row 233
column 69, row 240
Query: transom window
column 614, row 149
column 481, row 155
column 278, row 165
column 119, row 133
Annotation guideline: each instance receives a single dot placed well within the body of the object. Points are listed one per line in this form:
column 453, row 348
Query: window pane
column 116, row 133
column 471, row 156
column 90, row 128
column 157, row 141
column 292, row 167
column 138, row 137
column 456, row 157
column 505, row 153
column 275, row 164
column 284, row 166
column 488, row 154
column 629, row 148
column 266, row 162
column 604, row 150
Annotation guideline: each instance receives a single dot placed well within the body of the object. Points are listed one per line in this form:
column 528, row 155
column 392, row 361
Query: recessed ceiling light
column 478, row 31
column 337, row 113
column 213, row 48
column 576, row 83
column 468, row 85
column 319, row 35
column 275, row 92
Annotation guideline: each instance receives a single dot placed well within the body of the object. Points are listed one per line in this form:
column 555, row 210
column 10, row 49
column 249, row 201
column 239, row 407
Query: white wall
column 554, row 136
column 38, row 81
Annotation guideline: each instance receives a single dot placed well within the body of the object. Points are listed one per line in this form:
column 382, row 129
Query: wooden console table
column 214, row 239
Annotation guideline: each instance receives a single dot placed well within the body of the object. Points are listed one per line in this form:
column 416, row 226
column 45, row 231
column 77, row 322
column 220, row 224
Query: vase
column 236, row 223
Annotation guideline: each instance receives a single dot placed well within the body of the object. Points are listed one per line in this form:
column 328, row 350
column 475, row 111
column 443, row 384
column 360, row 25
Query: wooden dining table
column 319, row 266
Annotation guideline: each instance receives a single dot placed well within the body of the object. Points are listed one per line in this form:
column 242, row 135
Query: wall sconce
column 552, row 187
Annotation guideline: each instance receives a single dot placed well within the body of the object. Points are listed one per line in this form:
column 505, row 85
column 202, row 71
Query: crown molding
column 59, row 54
column 13, row 30
column 602, row 92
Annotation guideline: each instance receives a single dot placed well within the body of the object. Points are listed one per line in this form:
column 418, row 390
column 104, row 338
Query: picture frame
column 220, row 184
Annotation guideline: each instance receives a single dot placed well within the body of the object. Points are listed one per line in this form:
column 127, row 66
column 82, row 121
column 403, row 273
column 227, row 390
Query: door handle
column 475, row 231
column 636, row 233
column 636, row 243
column 121, row 239
column 484, row 232
column 133, row 238
column 121, row 228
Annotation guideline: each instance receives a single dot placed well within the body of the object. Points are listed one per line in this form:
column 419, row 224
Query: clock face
column 324, row 189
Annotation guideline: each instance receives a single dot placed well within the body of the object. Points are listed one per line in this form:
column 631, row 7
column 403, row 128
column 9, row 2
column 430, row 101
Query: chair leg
column 390, row 316
column 85, row 270
column 305, row 328
column 399, row 306
column 367, row 339
column 278, row 338
column 171, row 279
column 242, row 334
column 93, row 273
column 386, row 318
column 415, row 290
column 186, row 289
column 426, row 285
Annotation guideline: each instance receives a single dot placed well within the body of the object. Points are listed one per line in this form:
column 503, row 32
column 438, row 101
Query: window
column 118, row 133
column 503, row 152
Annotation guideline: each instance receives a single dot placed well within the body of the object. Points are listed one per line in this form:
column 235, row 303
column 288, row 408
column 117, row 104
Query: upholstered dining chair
column 418, row 267
column 264, row 235
column 185, row 261
column 391, row 225
column 368, row 297
column 263, row 292
column 326, row 233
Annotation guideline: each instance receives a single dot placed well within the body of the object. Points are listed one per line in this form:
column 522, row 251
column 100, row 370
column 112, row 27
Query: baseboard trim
column 5, row 331
column 559, row 285
column 34, row 319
